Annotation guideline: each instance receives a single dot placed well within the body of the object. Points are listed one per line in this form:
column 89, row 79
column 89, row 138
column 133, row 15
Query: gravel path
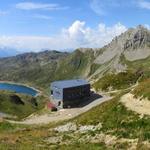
column 62, row 114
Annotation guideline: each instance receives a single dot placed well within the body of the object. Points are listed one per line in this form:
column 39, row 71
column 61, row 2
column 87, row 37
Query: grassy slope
column 143, row 89
column 142, row 65
column 35, row 69
column 36, row 75
column 117, row 120
column 123, row 80
column 118, row 81
column 10, row 105
column 74, row 66
column 34, row 137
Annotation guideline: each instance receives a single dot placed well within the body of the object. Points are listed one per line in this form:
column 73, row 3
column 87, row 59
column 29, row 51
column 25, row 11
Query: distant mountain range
column 7, row 52
column 129, row 51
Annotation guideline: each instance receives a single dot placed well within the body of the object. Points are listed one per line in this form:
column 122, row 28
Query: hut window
column 51, row 92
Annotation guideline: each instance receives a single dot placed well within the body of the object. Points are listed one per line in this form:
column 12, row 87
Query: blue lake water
column 18, row 89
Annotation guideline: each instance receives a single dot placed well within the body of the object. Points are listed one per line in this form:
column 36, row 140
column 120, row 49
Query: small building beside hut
column 69, row 93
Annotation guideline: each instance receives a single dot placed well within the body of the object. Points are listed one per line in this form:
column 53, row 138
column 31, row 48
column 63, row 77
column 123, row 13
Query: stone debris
column 87, row 128
column 83, row 129
column 73, row 127
column 110, row 140
column 66, row 128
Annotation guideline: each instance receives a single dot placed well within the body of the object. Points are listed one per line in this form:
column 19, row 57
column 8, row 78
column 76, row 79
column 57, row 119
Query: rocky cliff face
column 137, row 45
column 133, row 45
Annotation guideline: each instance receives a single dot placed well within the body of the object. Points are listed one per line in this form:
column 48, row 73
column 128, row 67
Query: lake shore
column 25, row 85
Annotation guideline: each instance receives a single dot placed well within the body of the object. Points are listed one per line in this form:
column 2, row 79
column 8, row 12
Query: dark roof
column 69, row 83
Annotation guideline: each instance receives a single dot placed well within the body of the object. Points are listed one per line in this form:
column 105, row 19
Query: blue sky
column 32, row 25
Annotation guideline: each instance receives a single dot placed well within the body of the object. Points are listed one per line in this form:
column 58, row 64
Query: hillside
column 19, row 106
column 32, row 68
column 107, row 126
column 40, row 69
column 143, row 90
column 122, row 67
column 128, row 52
column 124, row 52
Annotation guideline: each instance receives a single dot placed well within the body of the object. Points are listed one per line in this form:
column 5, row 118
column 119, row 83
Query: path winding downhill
column 63, row 114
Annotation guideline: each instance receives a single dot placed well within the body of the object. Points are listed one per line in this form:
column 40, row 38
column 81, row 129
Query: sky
column 35, row 25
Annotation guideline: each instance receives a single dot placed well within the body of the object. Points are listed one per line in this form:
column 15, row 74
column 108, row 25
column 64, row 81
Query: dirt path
column 62, row 114
column 135, row 104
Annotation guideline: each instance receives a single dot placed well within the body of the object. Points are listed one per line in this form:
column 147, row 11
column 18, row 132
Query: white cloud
column 77, row 33
column 40, row 6
column 80, row 35
column 39, row 16
column 96, row 7
column 104, row 7
column 75, row 36
column 101, row 7
column 25, row 43
column 147, row 26
column 144, row 4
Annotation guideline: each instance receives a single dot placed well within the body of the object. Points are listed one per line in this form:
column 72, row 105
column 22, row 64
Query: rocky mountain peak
column 141, row 27
column 139, row 37
column 134, row 44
